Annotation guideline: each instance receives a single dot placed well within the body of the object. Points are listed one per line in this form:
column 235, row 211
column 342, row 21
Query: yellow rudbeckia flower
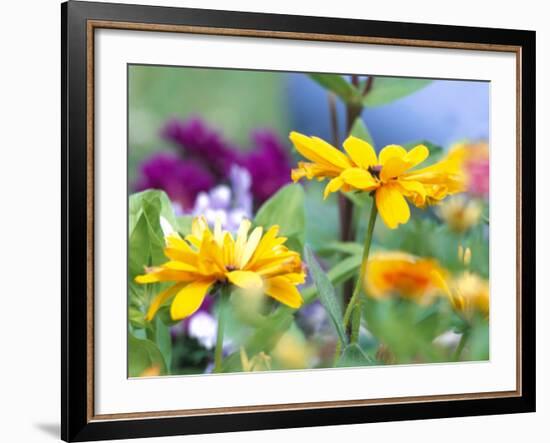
column 460, row 214
column 258, row 262
column 468, row 294
column 390, row 175
column 396, row 273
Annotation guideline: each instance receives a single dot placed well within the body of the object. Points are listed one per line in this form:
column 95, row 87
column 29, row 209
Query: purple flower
column 211, row 159
column 268, row 164
column 198, row 142
column 181, row 179
column 241, row 182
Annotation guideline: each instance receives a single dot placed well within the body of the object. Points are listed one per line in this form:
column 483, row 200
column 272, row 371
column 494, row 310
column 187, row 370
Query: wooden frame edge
column 95, row 24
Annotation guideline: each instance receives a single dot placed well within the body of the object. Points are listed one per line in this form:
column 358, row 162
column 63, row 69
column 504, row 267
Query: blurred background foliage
column 234, row 102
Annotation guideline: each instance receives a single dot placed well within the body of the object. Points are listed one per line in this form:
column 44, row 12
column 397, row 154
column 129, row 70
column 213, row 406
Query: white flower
column 220, row 197
column 166, row 227
column 203, row 327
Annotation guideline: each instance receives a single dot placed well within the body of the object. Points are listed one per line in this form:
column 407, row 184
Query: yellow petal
column 179, row 266
column 417, row 155
column 267, row 242
column 297, row 174
column 180, row 255
column 333, row 186
column 195, row 241
column 189, row 299
column 391, row 151
column 162, row 275
column 160, row 299
column 284, row 292
column 242, row 234
column 251, row 245
column 295, row 277
column 218, row 233
column 393, row 168
column 319, row 151
column 359, row 179
column 199, row 226
column 277, row 259
column 152, row 276
column 228, row 249
column 314, row 170
column 361, row 152
column 245, row 279
column 245, row 363
column 392, row 206
column 414, row 190
column 176, row 242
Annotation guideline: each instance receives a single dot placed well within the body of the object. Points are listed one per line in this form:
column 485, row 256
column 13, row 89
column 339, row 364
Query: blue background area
column 444, row 112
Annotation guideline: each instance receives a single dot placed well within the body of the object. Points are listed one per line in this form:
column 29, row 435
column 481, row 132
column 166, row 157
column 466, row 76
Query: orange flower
column 404, row 275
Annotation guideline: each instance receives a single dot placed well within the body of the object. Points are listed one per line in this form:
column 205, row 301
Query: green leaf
column 479, row 341
column 326, row 293
column 276, row 324
column 142, row 355
column 388, row 89
column 163, row 340
column 153, row 199
column 264, row 339
column 183, row 224
column 354, row 356
column 316, row 208
column 341, row 272
column 136, row 318
column 350, row 248
column 407, row 328
column 339, row 86
column 146, row 241
column 286, row 209
column 360, row 130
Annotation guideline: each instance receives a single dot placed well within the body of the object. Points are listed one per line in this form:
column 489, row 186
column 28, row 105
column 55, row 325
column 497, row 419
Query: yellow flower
column 256, row 262
column 291, row 352
column 464, row 255
column 468, row 294
column 405, row 275
column 151, row 371
column 390, row 176
column 459, row 213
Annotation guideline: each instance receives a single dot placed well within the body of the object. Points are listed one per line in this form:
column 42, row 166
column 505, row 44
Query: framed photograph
column 277, row 221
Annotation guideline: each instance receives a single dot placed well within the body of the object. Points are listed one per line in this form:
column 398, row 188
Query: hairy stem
column 356, row 298
column 354, row 305
column 461, row 345
column 347, row 231
column 333, row 119
column 218, row 353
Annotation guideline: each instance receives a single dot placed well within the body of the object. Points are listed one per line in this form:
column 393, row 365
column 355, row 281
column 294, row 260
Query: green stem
column 218, row 353
column 461, row 344
column 354, row 305
column 356, row 320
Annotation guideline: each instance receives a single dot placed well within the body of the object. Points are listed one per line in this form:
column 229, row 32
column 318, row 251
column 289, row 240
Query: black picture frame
column 76, row 422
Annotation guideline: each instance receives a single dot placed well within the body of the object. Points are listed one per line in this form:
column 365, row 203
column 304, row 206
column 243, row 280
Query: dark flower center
column 375, row 171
